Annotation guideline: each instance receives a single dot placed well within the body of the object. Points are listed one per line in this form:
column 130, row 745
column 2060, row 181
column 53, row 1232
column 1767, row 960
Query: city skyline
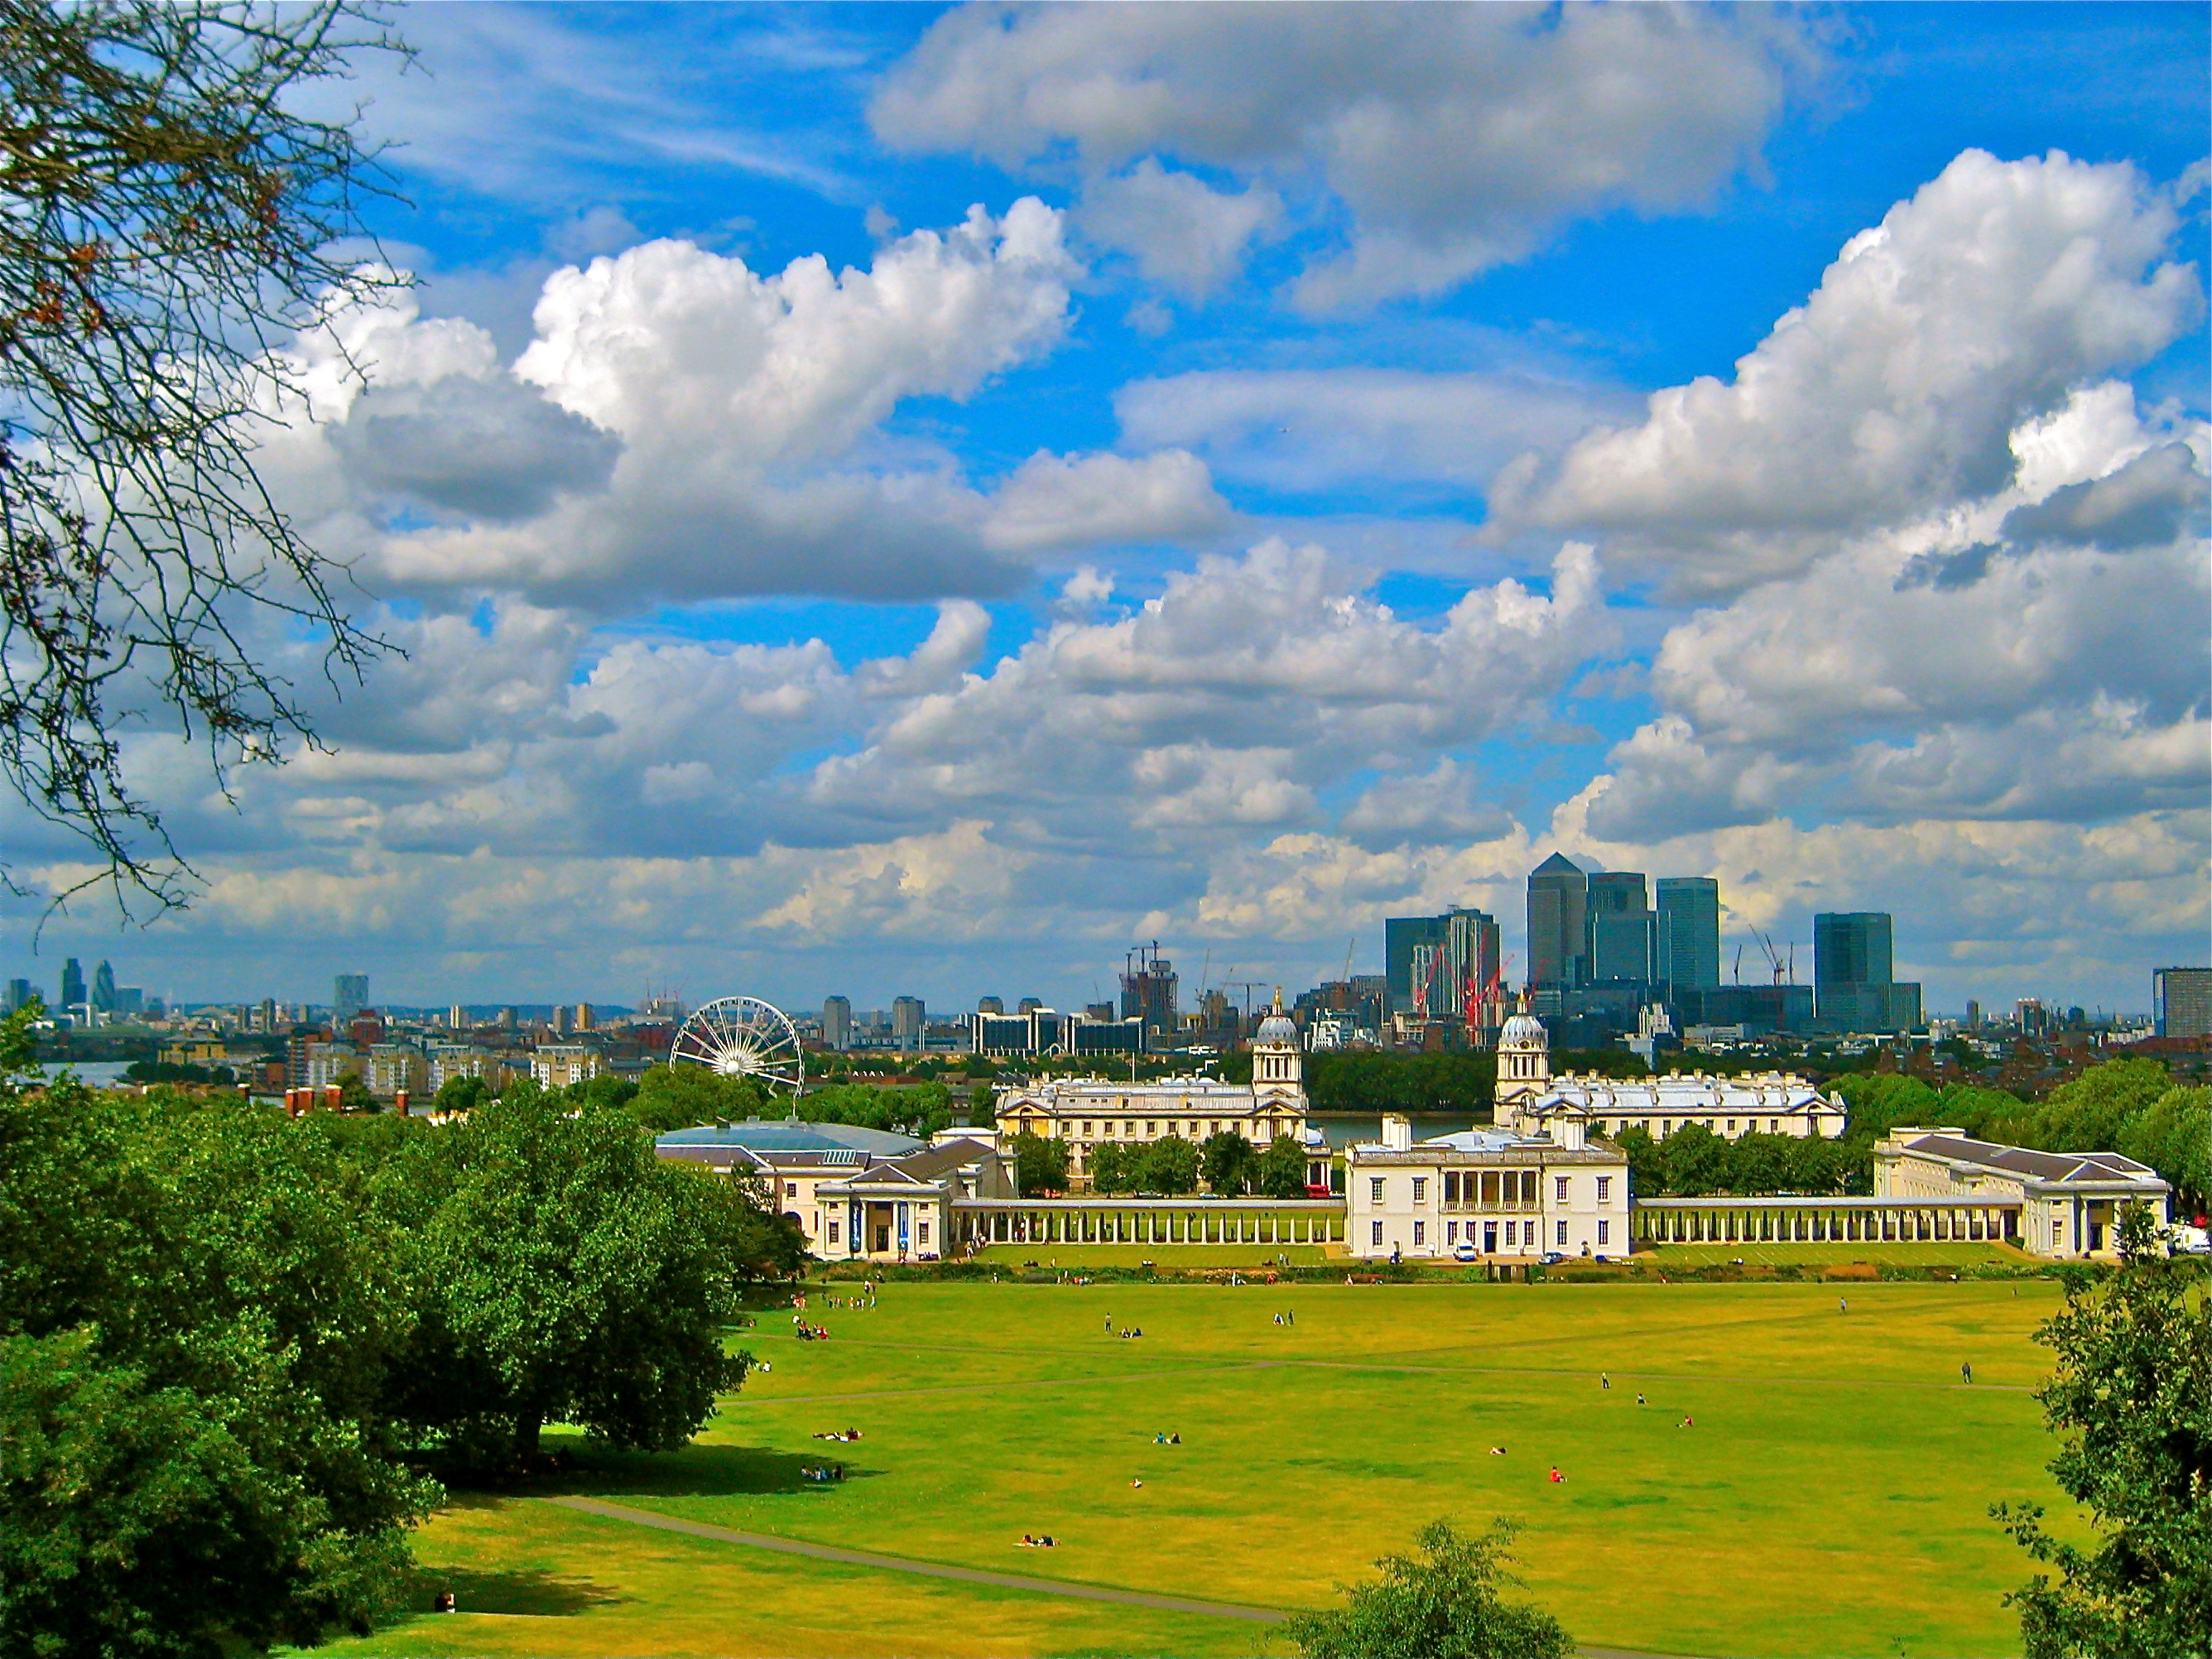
column 857, row 523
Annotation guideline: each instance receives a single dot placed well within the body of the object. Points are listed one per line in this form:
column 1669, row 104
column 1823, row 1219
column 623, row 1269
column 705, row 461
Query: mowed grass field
column 1830, row 1499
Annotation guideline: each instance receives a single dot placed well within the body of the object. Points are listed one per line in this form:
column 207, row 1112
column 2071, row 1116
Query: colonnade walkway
column 1824, row 1220
column 1190, row 1221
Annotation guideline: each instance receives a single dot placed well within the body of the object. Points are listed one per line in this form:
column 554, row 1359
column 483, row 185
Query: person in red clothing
column 1557, row 1478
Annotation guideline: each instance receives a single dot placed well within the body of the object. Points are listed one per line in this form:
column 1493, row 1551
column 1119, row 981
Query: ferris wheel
column 741, row 1036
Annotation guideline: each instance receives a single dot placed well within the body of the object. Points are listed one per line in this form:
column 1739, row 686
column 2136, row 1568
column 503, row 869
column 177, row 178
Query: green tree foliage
column 1697, row 1161
column 920, row 1110
column 2130, row 1400
column 563, row 1272
column 460, row 1094
column 353, row 1095
column 197, row 1331
column 982, row 1105
column 1361, row 1081
column 1283, row 1168
column 1169, row 1166
column 1229, row 1163
column 2130, row 1105
column 1110, row 1168
column 1039, row 1164
column 1445, row 1603
column 2173, row 1135
column 680, row 1097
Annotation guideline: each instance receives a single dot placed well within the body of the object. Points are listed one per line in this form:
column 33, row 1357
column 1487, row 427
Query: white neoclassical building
column 1530, row 1100
column 1502, row 1196
column 2061, row 1204
column 1087, row 1113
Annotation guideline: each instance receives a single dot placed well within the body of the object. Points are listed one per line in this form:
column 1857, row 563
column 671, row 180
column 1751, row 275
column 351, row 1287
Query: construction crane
column 1480, row 999
column 1773, row 955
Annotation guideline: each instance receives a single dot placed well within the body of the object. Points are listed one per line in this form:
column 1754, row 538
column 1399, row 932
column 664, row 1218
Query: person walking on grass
column 1967, row 1372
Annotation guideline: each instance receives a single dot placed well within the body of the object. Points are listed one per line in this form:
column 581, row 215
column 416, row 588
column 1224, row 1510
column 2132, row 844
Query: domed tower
column 1279, row 1061
column 1524, row 1067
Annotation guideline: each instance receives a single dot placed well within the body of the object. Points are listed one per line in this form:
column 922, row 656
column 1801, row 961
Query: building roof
column 1682, row 1093
column 791, row 1135
column 922, row 1168
column 2037, row 1166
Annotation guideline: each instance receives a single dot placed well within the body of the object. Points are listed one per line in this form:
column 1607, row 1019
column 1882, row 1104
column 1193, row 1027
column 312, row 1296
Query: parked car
column 1465, row 1253
column 1551, row 1258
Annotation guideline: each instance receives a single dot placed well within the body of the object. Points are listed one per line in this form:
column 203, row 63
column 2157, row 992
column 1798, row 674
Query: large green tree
column 1168, row 1164
column 1039, row 1164
column 196, row 1332
column 1445, row 1603
column 2130, row 1400
column 1229, row 1163
column 563, row 1273
column 1283, row 1168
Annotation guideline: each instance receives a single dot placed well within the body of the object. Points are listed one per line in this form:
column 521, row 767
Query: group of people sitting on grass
column 822, row 1472
column 1167, row 1439
column 1286, row 1318
column 836, row 1434
column 807, row 1332
column 1043, row 1541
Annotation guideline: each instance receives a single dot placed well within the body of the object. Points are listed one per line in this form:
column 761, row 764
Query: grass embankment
column 1830, row 1499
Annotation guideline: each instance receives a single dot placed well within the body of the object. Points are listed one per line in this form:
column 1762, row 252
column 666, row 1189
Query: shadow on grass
column 583, row 1470
column 533, row 1594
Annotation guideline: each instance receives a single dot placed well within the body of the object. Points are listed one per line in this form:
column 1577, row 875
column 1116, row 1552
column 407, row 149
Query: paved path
column 967, row 1575
column 927, row 1569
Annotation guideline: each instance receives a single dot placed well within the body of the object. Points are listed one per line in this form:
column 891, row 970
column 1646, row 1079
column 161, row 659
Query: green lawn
column 1964, row 1253
column 1160, row 1256
column 1830, row 1499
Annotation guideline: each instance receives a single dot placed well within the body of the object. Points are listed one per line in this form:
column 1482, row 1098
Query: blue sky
column 890, row 499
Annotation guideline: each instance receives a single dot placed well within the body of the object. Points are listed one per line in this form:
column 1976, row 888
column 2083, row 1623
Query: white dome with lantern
column 1278, row 1027
column 1524, row 1068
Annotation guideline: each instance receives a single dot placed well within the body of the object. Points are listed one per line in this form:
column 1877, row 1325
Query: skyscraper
column 19, row 992
column 1619, row 926
column 909, row 1020
column 1429, row 961
column 2181, row 1001
column 349, row 996
column 1558, row 899
column 1689, row 953
column 1402, row 936
column 103, row 988
column 72, row 983
column 1853, row 986
column 837, row 1023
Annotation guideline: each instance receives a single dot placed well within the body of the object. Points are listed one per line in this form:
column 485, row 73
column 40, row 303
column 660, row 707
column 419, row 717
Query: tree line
column 2131, row 1106
column 237, row 1351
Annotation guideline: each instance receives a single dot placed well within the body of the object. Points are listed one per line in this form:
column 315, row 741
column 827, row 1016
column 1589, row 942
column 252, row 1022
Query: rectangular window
column 1420, row 1189
column 1603, row 1230
column 1558, row 1189
column 1731, row 1126
column 1451, row 1232
column 1451, row 1186
column 1511, row 1228
column 1375, row 1189
column 1419, row 1229
column 923, row 1236
column 1152, row 1126
column 1666, row 1125
column 1129, row 1130
column 1489, row 1188
column 1376, row 1236
column 791, row 1189
column 1086, row 1128
column 1563, row 1233
column 833, row 1232
column 1774, row 1126
column 1528, row 1186
column 1604, row 1189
